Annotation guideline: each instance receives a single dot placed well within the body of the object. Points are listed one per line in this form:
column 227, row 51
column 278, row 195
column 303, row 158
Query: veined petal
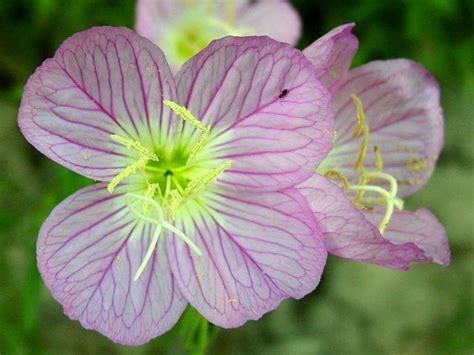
column 421, row 228
column 100, row 82
column 350, row 235
column 268, row 113
column 332, row 54
column 401, row 103
column 88, row 251
column 275, row 18
column 256, row 251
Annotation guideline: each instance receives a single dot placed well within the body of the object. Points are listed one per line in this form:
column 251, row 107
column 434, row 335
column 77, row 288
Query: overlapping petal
column 332, row 55
column 100, row 82
column 419, row 227
column 274, row 140
column 89, row 249
column 401, row 101
column 410, row 238
column 257, row 249
column 274, row 18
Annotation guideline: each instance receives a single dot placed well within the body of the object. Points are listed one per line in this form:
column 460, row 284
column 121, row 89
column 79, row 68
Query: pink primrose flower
column 182, row 28
column 389, row 133
column 195, row 200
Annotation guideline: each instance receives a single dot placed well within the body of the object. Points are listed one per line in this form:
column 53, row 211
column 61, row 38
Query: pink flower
column 183, row 28
column 389, row 133
column 188, row 207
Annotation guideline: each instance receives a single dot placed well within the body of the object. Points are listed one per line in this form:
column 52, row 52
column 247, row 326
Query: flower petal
column 350, row 235
column 401, row 101
column 256, row 251
column 332, row 54
column 274, row 140
column 153, row 17
column 419, row 227
column 100, row 82
column 276, row 19
column 88, row 251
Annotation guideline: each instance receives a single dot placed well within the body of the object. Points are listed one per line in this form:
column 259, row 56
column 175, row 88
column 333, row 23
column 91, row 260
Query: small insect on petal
column 283, row 93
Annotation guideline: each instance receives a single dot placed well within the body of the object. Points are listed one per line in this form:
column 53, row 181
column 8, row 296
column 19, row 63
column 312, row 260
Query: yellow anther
column 185, row 114
column 140, row 164
column 359, row 165
column 360, row 116
column 135, row 145
column 199, row 184
column 172, row 203
column 416, row 165
column 198, row 146
column 378, row 158
column 150, row 192
column 337, row 175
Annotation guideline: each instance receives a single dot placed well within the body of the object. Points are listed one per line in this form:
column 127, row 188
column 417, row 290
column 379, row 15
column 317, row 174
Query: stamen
column 140, row 164
column 185, row 114
column 199, row 184
column 150, row 193
column 359, row 165
column 129, row 170
column 388, row 198
column 135, row 145
column 378, row 158
column 360, row 116
column 334, row 174
column 198, row 147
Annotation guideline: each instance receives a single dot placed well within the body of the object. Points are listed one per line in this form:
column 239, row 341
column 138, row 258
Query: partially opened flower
column 187, row 207
column 389, row 133
column 182, row 28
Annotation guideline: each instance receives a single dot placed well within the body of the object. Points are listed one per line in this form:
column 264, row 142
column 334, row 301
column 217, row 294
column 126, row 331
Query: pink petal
column 154, row 17
column 401, row 101
column 100, row 82
column 419, row 227
column 89, row 249
column 275, row 18
column 349, row 234
column 256, row 251
column 332, row 54
column 235, row 85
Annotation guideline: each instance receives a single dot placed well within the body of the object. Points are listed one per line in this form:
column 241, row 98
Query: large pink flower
column 187, row 207
column 389, row 133
column 183, row 28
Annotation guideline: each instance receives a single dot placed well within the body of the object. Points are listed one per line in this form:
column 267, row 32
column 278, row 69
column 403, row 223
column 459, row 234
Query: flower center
column 172, row 177
column 371, row 189
column 196, row 27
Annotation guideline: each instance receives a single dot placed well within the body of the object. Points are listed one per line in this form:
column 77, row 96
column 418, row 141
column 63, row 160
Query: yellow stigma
column 365, row 188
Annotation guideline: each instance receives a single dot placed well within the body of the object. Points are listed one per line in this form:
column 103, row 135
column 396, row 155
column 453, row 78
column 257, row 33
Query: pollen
column 140, row 164
column 185, row 114
column 416, row 165
column 198, row 185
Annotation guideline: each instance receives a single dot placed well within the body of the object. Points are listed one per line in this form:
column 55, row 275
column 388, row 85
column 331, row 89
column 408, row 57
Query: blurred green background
column 357, row 309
